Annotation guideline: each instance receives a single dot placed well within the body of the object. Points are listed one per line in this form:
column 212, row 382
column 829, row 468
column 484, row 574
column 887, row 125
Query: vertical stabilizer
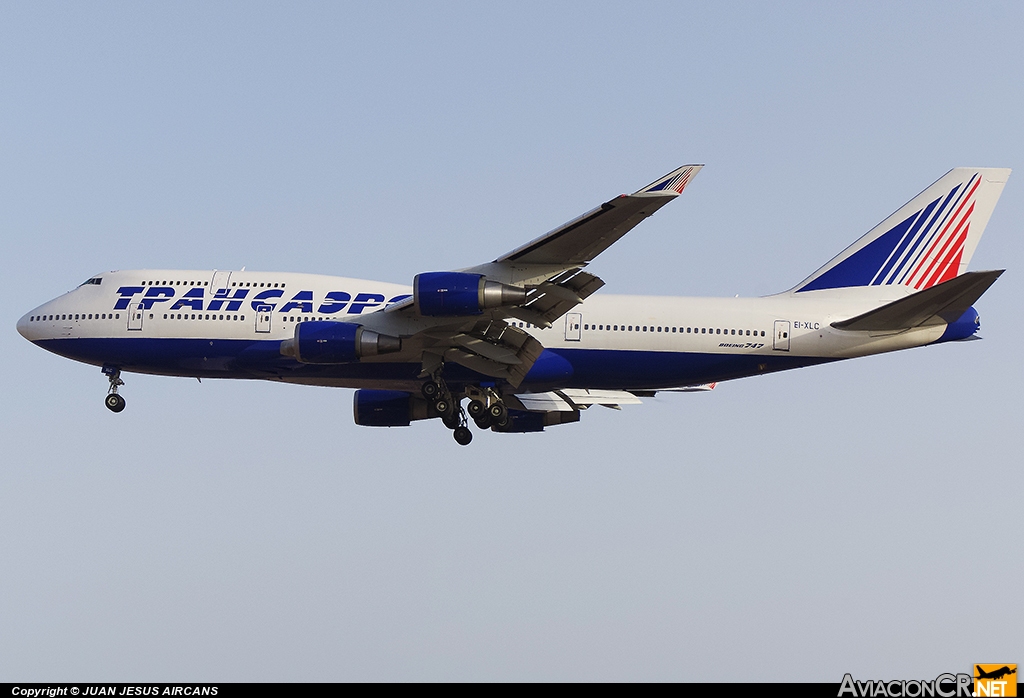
column 929, row 240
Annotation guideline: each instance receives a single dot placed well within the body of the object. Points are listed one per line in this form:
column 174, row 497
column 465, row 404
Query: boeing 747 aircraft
column 523, row 340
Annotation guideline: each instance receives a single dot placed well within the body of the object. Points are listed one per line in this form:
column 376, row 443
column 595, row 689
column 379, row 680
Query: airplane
column 995, row 674
column 524, row 340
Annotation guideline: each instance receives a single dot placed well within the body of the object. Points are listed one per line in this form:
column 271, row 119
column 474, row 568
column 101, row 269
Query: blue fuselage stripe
column 261, row 359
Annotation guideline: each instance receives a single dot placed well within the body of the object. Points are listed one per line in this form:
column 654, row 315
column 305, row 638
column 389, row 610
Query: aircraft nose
column 23, row 326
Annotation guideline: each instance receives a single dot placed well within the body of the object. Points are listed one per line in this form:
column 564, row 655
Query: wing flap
column 609, row 398
column 942, row 303
column 574, row 399
column 553, row 299
column 493, row 348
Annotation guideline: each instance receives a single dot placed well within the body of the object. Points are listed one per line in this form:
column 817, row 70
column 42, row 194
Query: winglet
column 671, row 184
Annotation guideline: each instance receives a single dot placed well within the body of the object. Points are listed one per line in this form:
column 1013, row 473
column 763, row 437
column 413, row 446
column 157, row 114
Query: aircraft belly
column 563, row 368
column 647, row 370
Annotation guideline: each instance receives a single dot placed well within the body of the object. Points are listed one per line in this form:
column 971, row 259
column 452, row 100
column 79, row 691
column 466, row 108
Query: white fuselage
column 116, row 311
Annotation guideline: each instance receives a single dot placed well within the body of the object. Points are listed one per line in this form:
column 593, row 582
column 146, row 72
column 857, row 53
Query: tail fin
column 929, row 240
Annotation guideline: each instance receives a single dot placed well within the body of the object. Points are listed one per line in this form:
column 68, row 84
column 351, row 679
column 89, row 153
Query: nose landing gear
column 113, row 401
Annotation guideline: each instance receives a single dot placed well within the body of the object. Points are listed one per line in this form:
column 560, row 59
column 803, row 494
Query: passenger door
column 572, row 326
column 135, row 313
column 219, row 283
column 264, row 314
column 781, row 341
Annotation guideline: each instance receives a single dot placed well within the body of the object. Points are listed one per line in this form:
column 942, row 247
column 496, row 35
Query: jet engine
column 388, row 408
column 320, row 342
column 453, row 293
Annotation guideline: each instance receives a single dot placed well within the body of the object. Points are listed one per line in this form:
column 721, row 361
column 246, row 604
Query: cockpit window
column 92, row 282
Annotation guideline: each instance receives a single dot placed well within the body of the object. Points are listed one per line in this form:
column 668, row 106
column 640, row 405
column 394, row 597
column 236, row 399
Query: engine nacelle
column 520, row 422
column 453, row 293
column 320, row 342
column 388, row 408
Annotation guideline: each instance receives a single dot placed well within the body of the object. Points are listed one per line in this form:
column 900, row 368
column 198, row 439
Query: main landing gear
column 449, row 408
column 113, row 401
column 485, row 408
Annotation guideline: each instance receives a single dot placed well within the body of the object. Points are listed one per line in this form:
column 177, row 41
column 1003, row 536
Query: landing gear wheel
column 476, row 408
column 483, row 421
column 498, row 412
column 443, row 407
column 114, row 402
column 430, row 390
column 452, row 420
column 463, row 436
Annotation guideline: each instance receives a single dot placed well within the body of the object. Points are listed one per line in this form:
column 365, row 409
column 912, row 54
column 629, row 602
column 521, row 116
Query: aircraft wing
column 580, row 240
column 536, row 283
column 574, row 399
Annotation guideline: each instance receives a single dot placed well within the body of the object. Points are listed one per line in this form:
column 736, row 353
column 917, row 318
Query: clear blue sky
column 859, row 517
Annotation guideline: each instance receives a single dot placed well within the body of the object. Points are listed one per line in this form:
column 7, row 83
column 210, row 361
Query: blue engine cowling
column 320, row 342
column 453, row 293
column 521, row 422
column 388, row 408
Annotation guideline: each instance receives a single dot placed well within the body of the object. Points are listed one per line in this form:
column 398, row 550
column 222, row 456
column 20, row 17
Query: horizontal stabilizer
column 943, row 303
